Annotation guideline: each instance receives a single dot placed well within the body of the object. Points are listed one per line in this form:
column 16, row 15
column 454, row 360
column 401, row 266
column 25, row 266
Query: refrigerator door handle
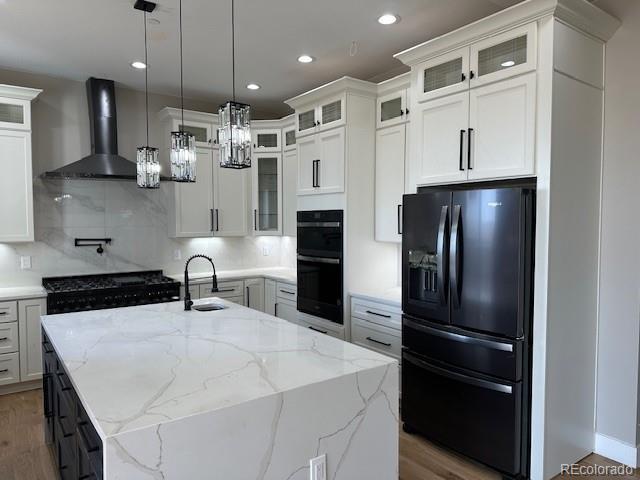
column 441, row 252
column 456, row 337
column 454, row 256
column 459, row 377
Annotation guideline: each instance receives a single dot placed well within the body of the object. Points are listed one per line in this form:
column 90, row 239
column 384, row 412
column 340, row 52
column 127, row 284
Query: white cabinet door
column 306, row 121
column 287, row 311
column 194, row 201
column 438, row 140
column 15, row 114
column 289, row 192
column 254, row 293
column 506, row 55
column 443, row 75
column 16, row 187
column 267, row 194
column 289, row 138
column 330, row 169
column 389, row 183
column 331, row 112
column 502, row 122
column 308, row 154
column 392, row 109
column 230, row 200
column 266, row 140
column 203, row 132
column 270, row 297
column 29, row 312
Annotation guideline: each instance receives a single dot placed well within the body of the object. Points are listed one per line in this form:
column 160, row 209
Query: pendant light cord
column 233, row 50
column 146, row 74
column 181, row 74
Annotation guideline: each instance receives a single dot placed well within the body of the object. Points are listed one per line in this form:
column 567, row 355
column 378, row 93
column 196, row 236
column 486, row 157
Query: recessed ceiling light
column 388, row 19
column 508, row 63
column 305, row 59
column 139, row 65
column 253, row 86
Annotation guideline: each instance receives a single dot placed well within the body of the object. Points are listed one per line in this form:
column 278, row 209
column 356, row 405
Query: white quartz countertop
column 281, row 274
column 390, row 296
column 22, row 293
column 142, row 366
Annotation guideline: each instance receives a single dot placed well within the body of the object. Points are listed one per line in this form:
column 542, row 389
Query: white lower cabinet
column 377, row 326
column 29, row 312
column 9, row 342
column 254, row 294
column 389, row 182
column 9, row 368
column 225, row 290
column 285, row 305
column 320, row 326
column 286, row 310
column 270, row 297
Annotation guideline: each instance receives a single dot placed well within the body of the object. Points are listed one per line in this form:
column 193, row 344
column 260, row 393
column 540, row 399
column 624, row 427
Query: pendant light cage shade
column 183, row 157
column 234, row 135
column 148, row 167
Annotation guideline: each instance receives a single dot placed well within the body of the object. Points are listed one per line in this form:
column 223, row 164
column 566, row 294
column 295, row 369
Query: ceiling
column 80, row 38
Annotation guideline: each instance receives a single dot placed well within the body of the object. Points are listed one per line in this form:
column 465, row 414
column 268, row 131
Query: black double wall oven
column 466, row 332
column 320, row 264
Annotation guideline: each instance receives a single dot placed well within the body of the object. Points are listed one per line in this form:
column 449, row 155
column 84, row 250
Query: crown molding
column 176, row 114
column 344, row 84
column 19, row 93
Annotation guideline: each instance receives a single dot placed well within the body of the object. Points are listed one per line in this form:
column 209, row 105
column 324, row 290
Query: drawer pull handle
column 2, row 339
column 318, row 330
column 378, row 314
column 4, row 313
column 4, row 370
column 287, row 292
column 222, row 290
column 378, row 342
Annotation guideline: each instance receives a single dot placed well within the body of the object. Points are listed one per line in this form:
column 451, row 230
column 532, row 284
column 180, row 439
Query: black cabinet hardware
column 3, row 339
column 222, row 290
column 378, row 314
column 464, row 77
column 217, row 220
column 469, row 136
column 212, row 223
column 248, row 297
column 461, row 149
column 287, row 292
column 255, row 219
column 275, row 309
column 4, row 313
column 316, row 173
column 471, row 74
column 318, row 330
column 399, row 219
column 5, row 370
column 378, row 342
column 406, row 111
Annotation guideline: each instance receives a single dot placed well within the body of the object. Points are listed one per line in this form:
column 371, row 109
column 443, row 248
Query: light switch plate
column 177, row 254
column 318, row 468
column 25, row 262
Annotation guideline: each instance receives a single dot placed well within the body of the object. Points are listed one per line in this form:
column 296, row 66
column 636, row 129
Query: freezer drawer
column 473, row 415
column 497, row 357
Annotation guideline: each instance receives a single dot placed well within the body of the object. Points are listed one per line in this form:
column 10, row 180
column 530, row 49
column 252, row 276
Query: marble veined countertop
column 143, row 366
column 282, row 274
column 22, row 293
column 391, row 296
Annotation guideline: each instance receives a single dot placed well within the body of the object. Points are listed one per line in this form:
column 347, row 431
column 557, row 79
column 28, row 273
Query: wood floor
column 24, row 455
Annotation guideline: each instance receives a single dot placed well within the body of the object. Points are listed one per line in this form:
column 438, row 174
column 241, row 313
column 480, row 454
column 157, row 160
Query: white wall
column 619, row 329
column 136, row 219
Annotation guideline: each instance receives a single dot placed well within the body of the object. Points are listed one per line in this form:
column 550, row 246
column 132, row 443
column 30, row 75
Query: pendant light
column 147, row 164
column 183, row 143
column 234, row 133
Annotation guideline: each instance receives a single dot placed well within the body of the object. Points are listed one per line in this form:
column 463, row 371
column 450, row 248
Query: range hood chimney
column 104, row 161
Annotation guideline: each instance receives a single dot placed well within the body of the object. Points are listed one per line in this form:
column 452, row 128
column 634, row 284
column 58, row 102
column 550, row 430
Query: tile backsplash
column 136, row 220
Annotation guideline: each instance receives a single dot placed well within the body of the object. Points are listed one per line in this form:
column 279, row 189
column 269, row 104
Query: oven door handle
column 319, row 224
column 442, row 252
column 458, row 377
column 331, row 261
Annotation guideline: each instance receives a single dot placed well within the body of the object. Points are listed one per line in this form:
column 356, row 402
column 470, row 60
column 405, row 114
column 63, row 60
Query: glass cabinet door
column 289, row 139
column 267, row 174
column 203, row 132
column 506, row 55
column 266, row 140
column 306, row 120
column 392, row 108
column 443, row 75
column 14, row 114
column 331, row 112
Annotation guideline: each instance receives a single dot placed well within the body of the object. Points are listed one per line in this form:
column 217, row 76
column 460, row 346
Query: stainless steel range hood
column 104, row 163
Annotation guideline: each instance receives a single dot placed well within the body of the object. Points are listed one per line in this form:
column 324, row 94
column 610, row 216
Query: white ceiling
column 81, row 38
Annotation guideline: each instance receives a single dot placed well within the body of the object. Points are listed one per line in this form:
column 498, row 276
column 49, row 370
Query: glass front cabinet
column 266, row 140
column 267, row 194
column 392, row 108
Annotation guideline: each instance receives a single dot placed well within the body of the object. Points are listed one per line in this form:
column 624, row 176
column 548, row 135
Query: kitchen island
column 227, row 394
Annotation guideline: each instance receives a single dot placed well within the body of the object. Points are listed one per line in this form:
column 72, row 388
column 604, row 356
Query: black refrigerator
column 467, row 266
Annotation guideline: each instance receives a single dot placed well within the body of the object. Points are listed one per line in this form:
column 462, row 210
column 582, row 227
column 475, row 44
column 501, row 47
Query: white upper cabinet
column 324, row 115
column 502, row 56
column 306, row 121
column 502, row 126
column 439, row 140
column 16, row 185
column 289, row 138
column 203, row 132
column 266, row 140
column 267, row 193
column 442, row 75
column 389, row 182
column 194, row 214
column 230, row 200
column 321, row 163
column 308, row 154
column 289, row 192
column 392, row 108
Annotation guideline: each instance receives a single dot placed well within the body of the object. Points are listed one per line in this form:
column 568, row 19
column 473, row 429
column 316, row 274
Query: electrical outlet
column 177, row 254
column 318, row 468
column 266, row 251
column 25, row 262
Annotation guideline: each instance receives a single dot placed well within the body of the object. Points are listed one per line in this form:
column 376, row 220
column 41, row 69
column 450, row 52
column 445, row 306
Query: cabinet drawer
column 8, row 312
column 9, row 368
column 238, row 300
column 8, row 337
column 322, row 330
column 376, row 339
column 376, row 313
column 286, row 291
column 225, row 289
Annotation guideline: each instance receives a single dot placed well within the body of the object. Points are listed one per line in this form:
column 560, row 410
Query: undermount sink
column 209, row 307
